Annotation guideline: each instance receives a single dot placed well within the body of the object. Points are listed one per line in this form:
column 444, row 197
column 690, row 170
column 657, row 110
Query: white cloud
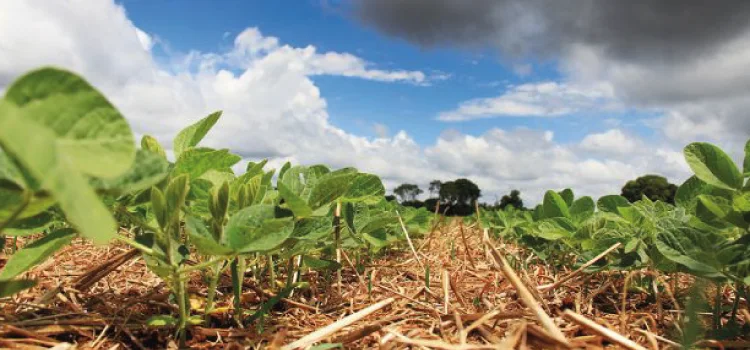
column 272, row 108
column 146, row 41
column 703, row 97
column 542, row 99
column 610, row 141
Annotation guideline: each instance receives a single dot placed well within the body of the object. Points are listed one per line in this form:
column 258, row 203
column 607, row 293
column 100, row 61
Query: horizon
column 507, row 94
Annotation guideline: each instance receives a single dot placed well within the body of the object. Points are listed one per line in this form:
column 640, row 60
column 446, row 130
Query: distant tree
column 431, row 203
column 407, row 192
column 415, row 203
column 654, row 187
column 390, row 198
column 514, row 199
column 435, row 187
column 460, row 195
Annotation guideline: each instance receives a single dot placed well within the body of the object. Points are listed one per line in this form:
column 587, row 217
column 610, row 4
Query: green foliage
column 36, row 252
column 65, row 151
column 58, row 130
column 193, row 134
column 513, row 199
column 654, row 187
column 713, row 166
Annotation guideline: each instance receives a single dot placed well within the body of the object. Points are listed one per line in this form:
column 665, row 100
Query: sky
column 530, row 95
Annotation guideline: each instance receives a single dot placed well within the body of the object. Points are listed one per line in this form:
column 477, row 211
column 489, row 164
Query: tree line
column 457, row 197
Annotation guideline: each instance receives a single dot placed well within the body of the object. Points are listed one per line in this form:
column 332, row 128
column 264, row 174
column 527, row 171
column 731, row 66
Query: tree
column 655, row 187
column 407, row 192
column 460, row 196
column 435, row 187
column 431, row 204
column 514, row 199
column 390, row 198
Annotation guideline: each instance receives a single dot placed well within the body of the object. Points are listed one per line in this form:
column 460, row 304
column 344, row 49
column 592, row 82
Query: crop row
column 69, row 166
column 705, row 234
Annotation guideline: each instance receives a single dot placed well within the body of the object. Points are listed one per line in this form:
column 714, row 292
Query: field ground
column 478, row 306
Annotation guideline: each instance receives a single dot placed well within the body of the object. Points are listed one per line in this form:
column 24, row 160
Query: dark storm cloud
column 628, row 29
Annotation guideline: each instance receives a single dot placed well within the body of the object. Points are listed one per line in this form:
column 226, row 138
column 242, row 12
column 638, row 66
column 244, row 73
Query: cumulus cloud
column 543, row 99
column 272, row 107
column 610, row 141
column 673, row 56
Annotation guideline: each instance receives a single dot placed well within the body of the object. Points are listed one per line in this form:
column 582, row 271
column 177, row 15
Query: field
column 108, row 245
column 476, row 307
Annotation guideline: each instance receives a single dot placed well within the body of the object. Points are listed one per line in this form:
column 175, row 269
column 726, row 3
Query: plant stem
column 717, row 307
column 182, row 303
column 337, row 231
column 200, row 266
column 736, row 304
column 141, row 247
column 271, row 272
column 238, row 272
column 213, row 284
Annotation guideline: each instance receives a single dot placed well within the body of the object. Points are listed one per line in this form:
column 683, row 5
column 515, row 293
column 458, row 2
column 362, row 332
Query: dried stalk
column 526, row 295
column 411, row 245
column 332, row 328
column 602, row 331
column 580, row 269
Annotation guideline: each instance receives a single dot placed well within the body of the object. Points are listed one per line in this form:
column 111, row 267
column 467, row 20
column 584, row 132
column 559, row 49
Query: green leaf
column 197, row 161
column 161, row 321
column 256, row 168
column 741, row 202
column 689, row 191
column 568, row 196
column 31, row 225
column 255, row 229
column 293, row 179
column 712, row 207
column 148, row 170
column 175, row 196
column 219, row 202
column 59, row 129
column 713, row 166
column 746, row 162
column 11, row 176
column 193, row 134
column 159, row 206
column 555, row 228
column 203, row 240
column 218, row 177
column 688, row 247
column 582, row 209
column 632, row 245
column 320, row 264
column 89, row 132
column 612, row 204
column 149, row 143
column 329, row 188
column 554, row 205
column 283, row 169
column 296, row 204
column 8, row 288
column 365, row 188
column 36, row 252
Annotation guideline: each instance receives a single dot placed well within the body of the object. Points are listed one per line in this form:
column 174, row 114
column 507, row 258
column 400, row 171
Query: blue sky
column 510, row 94
column 353, row 104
